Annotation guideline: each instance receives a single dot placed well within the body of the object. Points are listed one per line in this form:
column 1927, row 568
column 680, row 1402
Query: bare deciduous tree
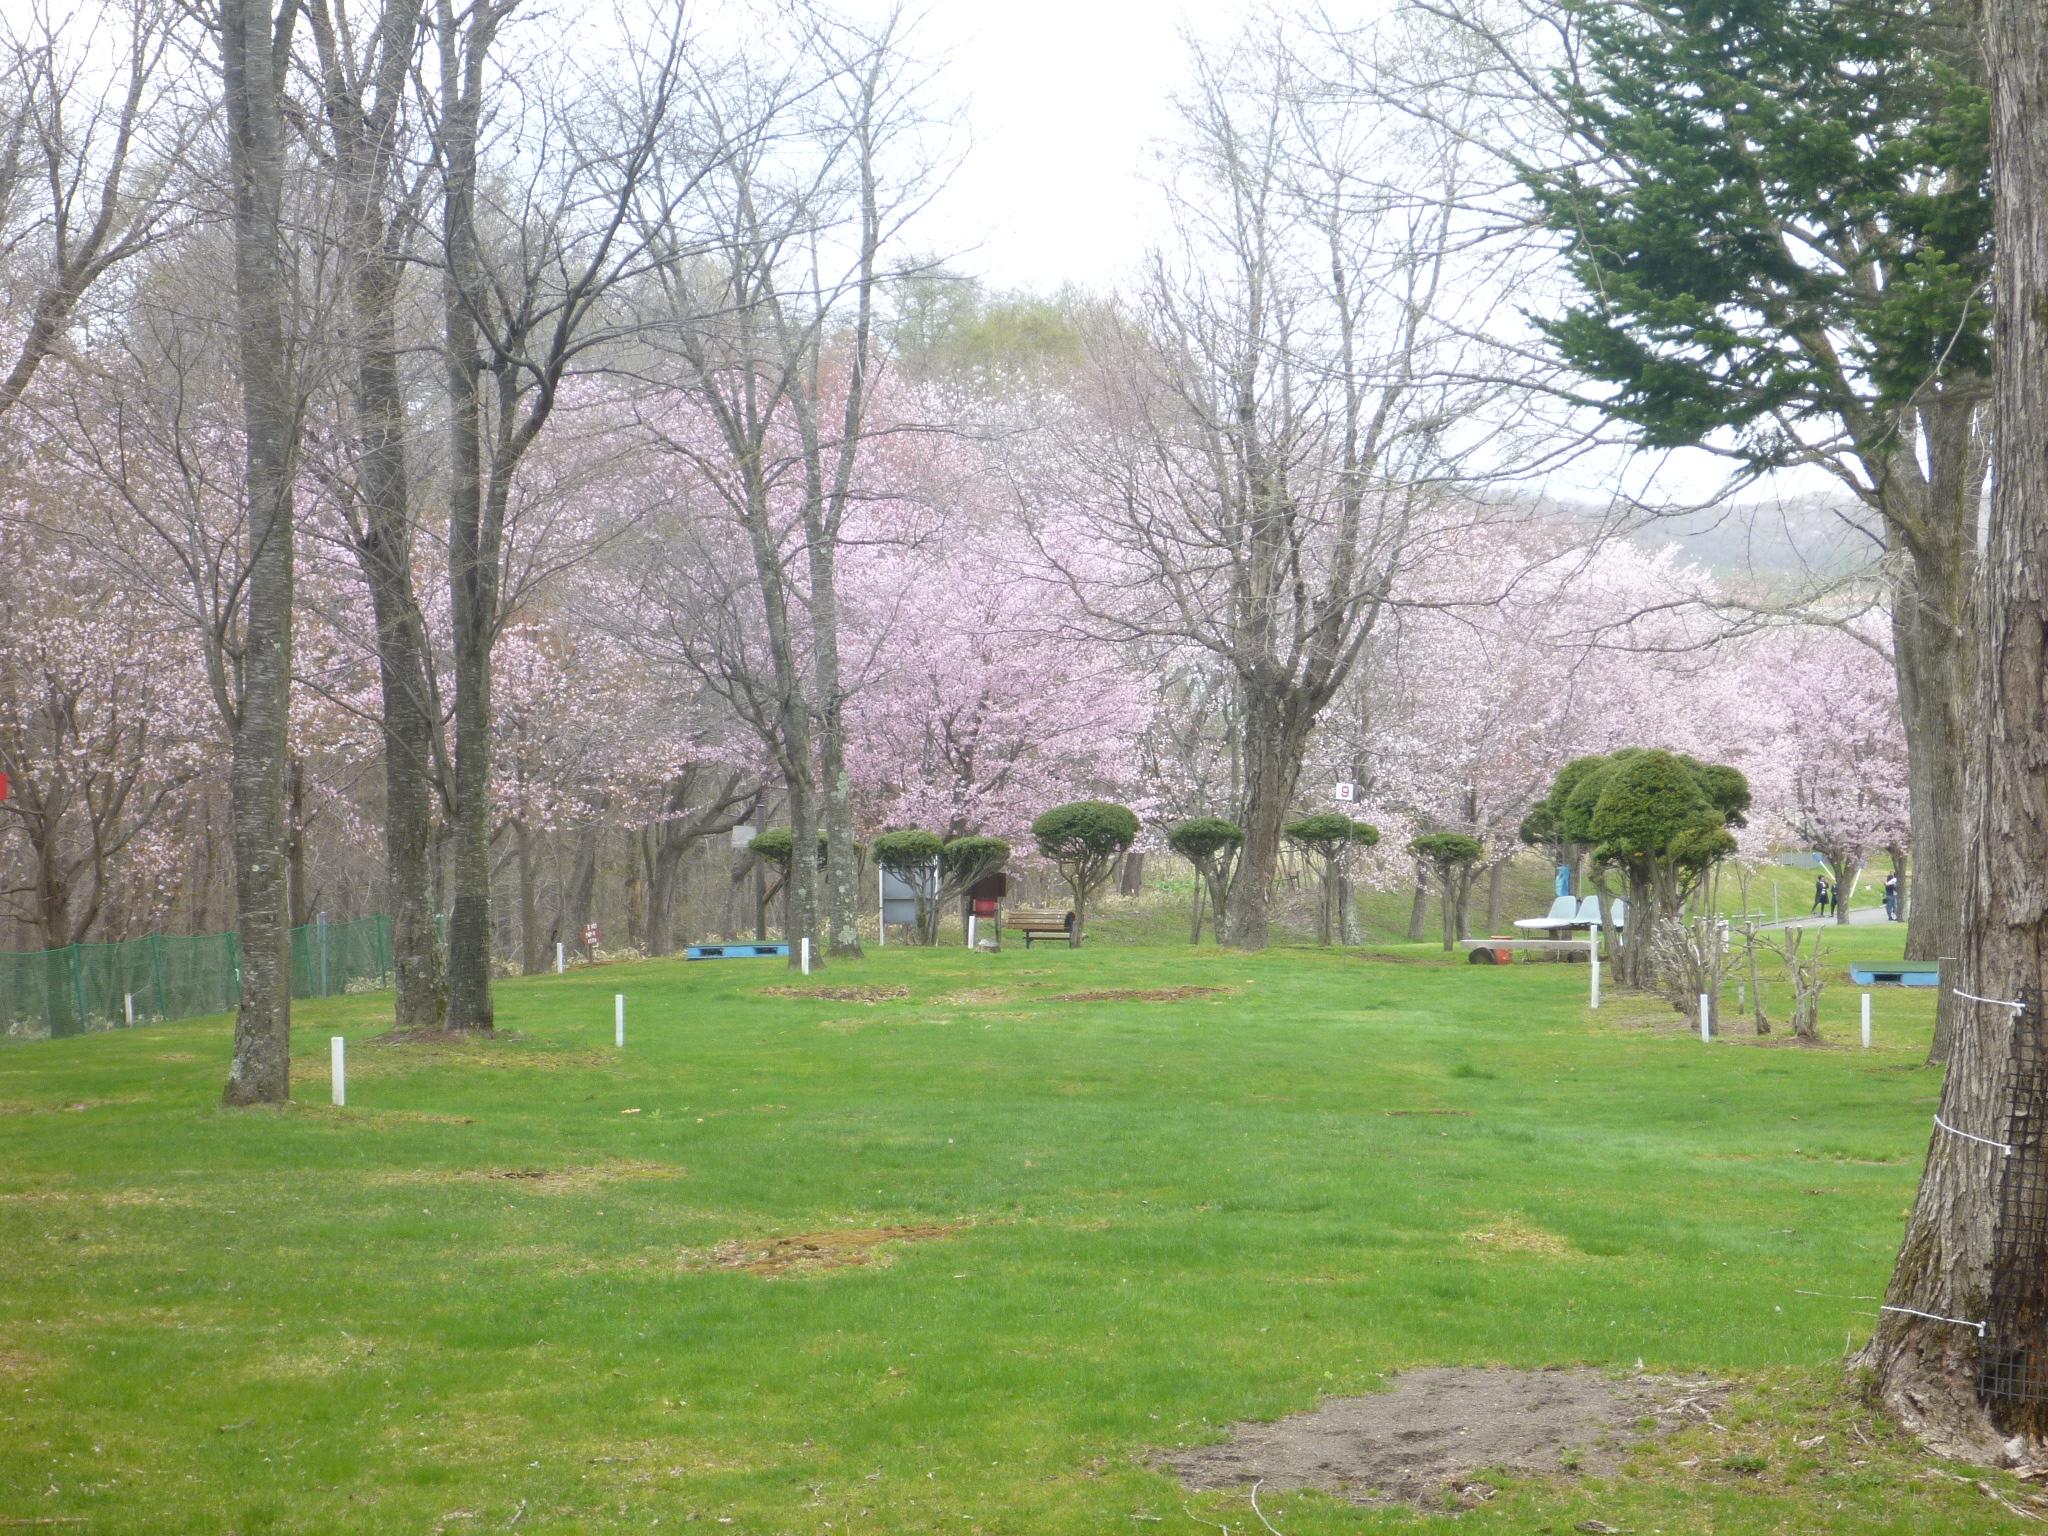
column 89, row 146
column 806, row 171
column 534, row 247
column 1276, row 427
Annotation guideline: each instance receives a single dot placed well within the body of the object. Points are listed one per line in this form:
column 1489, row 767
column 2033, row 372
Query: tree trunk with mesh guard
column 1972, row 1378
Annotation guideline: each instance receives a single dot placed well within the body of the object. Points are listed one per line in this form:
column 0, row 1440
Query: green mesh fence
column 145, row 981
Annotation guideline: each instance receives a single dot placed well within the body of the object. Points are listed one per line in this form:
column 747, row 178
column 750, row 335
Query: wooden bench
column 1499, row 951
column 1040, row 923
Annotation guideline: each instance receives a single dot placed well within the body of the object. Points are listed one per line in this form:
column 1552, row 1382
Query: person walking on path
column 1891, row 897
column 1820, row 894
column 1835, row 899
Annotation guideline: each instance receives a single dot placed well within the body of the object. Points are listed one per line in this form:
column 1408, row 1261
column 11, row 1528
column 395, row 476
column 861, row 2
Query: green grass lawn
column 500, row 1289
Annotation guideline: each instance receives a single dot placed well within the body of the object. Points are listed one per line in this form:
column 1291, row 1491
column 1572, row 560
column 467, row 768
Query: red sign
column 3, row 786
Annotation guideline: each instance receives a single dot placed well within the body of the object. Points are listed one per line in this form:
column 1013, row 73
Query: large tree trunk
column 533, row 955
column 298, row 900
column 261, row 1070
column 1496, row 896
column 661, row 895
column 1272, row 769
column 1418, row 910
column 474, row 534
column 842, row 860
column 362, row 111
column 1974, row 1253
column 582, row 893
column 1934, row 685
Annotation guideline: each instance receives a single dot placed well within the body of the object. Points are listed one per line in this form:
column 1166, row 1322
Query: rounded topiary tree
column 1085, row 840
column 1452, row 859
column 1210, row 843
column 912, row 856
column 1328, row 837
column 1648, row 802
column 964, row 863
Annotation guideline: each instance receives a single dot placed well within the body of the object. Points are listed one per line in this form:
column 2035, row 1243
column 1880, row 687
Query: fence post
column 320, row 933
column 78, row 985
column 231, row 949
column 386, row 966
column 156, row 964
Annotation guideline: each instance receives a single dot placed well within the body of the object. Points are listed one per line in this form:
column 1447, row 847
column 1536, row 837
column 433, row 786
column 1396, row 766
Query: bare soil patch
column 1137, row 995
column 1440, row 1428
column 868, row 995
column 545, row 1180
column 810, row 1252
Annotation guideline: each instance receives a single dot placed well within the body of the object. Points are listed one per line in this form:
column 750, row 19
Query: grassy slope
column 1174, row 1215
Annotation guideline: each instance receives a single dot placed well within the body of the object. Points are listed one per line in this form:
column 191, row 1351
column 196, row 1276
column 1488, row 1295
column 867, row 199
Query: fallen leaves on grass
column 810, row 1252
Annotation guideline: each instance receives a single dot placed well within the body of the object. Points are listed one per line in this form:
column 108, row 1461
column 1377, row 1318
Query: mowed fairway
column 506, row 1287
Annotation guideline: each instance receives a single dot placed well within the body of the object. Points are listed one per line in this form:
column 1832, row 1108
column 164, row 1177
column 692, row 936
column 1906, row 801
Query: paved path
column 1859, row 917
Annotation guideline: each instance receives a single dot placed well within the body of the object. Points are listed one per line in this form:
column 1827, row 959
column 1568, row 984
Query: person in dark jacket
column 1820, row 894
column 1891, row 897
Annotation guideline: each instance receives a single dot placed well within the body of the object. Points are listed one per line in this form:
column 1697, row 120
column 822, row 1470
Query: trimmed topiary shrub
column 1210, row 843
column 1084, row 840
column 1452, row 859
column 1328, row 837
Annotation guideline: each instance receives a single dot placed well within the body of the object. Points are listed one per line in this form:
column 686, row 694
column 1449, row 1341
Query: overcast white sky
column 1062, row 102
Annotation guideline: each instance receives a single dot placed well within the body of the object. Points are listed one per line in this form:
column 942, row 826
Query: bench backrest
column 1039, row 917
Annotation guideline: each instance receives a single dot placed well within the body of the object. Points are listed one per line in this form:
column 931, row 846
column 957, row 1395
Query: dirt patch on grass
column 977, row 997
column 1137, row 995
column 810, row 1252
column 869, row 995
column 1427, row 1441
column 545, row 1180
column 1511, row 1234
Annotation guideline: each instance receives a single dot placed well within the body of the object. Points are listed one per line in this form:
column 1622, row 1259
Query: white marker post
column 1596, row 973
column 128, row 1007
column 559, row 947
column 619, row 1019
column 1706, row 1018
column 970, row 930
column 337, row 1049
column 804, row 951
column 882, row 904
column 1866, row 1021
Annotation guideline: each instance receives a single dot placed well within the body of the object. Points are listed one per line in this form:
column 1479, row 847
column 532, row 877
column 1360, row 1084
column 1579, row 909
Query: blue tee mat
column 733, row 951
